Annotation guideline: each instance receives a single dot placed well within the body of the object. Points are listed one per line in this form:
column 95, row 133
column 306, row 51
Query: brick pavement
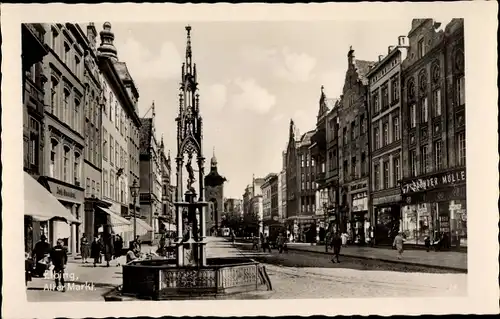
column 442, row 259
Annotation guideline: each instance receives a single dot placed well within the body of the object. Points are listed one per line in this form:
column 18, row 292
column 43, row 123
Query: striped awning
column 41, row 204
column 143, row 227
column 117, row 223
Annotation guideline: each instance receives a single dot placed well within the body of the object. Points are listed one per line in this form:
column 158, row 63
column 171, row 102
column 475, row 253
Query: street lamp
column 134, row 191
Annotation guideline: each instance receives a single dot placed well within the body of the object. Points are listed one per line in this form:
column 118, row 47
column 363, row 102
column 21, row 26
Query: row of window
column 66, row 48
column 92, row 188
column 355, row 171
column 92, row 144
column 114, row 186
column 382, row 179
column 65, row 163
column 355, row 131
column 424, row 154
column 388, row 135
column 65, row 104
column 306, row 160
column 381, row 99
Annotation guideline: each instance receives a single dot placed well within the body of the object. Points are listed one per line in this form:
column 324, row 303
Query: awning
column 117, row 223
column 41, row 204
column 142, row 227
column 170, row 227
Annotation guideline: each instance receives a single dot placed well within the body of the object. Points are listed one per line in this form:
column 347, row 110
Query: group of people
column 110, row 247
column 265, row 243
column 43, row 256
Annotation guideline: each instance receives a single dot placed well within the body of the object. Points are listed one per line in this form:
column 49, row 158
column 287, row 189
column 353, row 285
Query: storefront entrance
column 387, row 223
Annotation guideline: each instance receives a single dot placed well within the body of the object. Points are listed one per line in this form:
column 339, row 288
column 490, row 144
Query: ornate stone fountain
column 191, row 275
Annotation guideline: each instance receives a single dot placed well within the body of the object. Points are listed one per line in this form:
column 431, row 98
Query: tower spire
column 153, row 108
column 188, row 50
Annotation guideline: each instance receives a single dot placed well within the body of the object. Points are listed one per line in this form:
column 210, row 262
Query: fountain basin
column 162, row 280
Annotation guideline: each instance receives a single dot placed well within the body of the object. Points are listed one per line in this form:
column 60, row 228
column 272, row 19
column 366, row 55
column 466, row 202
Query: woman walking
column 95, row 250
column 398, row 243
column 84, row 248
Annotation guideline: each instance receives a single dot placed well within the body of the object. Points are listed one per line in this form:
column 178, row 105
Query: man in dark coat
column 40, row 251
column 95, row 250
column 59, row 258
column 118, row 245
column 108, row 247
column 336, row 244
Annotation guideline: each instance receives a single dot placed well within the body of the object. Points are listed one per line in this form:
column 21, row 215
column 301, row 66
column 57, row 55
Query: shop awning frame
column 41, row 205
column 117, row 222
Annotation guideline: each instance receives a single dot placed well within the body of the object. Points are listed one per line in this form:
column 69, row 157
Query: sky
column 253, row 78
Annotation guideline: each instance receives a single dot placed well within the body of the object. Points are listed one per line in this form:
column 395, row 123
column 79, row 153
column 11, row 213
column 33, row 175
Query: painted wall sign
column 387, row 199
column 434, row 181
column 66, row 193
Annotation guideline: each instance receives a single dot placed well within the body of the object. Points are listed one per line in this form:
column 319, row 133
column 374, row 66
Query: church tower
column 214, row 194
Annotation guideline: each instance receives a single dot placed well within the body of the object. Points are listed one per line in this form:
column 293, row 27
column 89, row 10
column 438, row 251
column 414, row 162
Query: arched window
column 77, row 168
column 422, row 82
column 65, row 113
column 66, row 155
column 411, row 89
column 77, row 125
column 53, row 95
column 53, row 158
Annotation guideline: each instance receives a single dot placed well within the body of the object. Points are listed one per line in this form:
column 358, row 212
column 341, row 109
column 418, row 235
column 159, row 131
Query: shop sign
column 387, row 199
column 66, row 193
column 434, row 181
column 444, row 224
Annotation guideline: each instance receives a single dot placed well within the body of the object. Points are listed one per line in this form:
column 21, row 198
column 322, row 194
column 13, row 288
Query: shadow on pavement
column 302, row 259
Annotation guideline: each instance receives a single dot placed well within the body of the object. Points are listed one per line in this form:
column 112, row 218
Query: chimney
column 402, row 40
column 380, row 57
column 391, row 47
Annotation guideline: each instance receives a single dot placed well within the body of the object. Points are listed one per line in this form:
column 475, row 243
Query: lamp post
column 134, row 191
column 325, row 213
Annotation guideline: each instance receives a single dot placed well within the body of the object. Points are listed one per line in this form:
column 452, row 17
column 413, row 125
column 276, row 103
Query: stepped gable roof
column 363, row 67
column 145, row 135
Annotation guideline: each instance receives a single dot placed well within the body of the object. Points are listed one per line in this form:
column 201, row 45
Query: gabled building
column 269, row 202
column 433, row 187
column 151, row 189
column 168, row 209
column 214, row 194
column 301, row 186
column 354, row 148
column 385, row 120
column 319, row 152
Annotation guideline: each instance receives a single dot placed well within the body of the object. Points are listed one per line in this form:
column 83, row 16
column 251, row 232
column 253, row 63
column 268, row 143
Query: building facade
column 336, row 218
column 385, row 129
column 151, row 189
column 117, row 105
column 214, row 194
column 34, row 48
column 269, row 191
column 433, row 142
column 168, row 209
column 354, row 148
column 301, row 207
column 320, row 155
column 64, row 127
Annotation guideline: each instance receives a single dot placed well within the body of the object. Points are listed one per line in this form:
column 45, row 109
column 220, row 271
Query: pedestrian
column 41, row 253
column 398, row 243
column 133, row 254
column 95, row 250
column 336, row 244
column 137, row 242
column 84, row 249
column 101, row 245
column 118, row 244
column 255, row 242
column 267, row 244
column 28, row 268
column 108, row 248
column 372, row 236
column 344, row 238
column 280, row 241
column 427, row 242
column 59, row 258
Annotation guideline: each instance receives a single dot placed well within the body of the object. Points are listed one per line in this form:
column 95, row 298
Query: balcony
column 320, row 178
column 34, row 48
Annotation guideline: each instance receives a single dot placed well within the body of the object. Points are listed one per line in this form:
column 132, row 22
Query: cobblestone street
column 296, row 274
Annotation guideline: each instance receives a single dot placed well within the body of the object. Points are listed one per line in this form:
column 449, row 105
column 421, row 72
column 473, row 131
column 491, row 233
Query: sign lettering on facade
column 438, row 180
